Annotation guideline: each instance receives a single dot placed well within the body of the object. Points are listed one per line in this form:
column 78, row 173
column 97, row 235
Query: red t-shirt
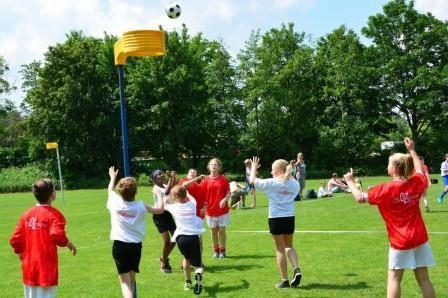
column 39, row 231
column 215, row 190
column 398, row 203
column 197, row 192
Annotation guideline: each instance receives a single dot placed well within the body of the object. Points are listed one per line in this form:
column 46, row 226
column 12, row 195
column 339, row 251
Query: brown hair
column 403, row 164
column 284, row 167
column 127, row 188
column 42, row 190
column 179, row 191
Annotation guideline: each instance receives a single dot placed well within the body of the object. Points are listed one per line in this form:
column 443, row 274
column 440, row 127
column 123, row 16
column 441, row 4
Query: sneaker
column 197, row 289
column 440, row 200
column 165, row 267
column 222, row 255
column 283, row 284
column 295, row 281
column 188, row 285
column 215, row 255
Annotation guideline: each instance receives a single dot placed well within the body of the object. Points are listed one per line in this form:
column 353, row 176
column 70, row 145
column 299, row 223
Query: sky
column 29, row 27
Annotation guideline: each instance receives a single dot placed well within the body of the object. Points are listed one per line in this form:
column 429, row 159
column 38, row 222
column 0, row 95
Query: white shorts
column 218, row 221
column 420, row 256
column 39, row 292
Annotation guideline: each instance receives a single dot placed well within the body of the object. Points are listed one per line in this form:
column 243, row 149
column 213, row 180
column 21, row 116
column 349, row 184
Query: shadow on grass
column 251, row 257
column 224, row 267
column 218, row 288
column 439, row 211
column 322, row 286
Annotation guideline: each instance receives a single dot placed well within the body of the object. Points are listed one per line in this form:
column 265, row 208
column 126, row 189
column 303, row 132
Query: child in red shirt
column 39, row 231
column 217, row 192
column 191, row 183
column 398, row 202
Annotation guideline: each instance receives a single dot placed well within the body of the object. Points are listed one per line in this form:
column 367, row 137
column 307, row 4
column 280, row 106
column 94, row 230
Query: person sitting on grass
column 399, row 204
column 41, row 229
column 335, row 184
column 128, row 229
column 187, row 235
column 322, row 192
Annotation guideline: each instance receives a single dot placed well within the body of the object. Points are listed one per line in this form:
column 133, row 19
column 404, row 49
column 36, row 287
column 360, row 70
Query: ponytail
column 284, row 167
column 403, row 164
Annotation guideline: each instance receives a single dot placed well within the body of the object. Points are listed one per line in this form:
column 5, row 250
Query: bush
column 20, row 179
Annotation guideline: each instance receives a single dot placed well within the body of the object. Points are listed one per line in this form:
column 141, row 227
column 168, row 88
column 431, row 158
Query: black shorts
column 282, row 225
column 164, row 222
column 190, row 248
column 127, row 256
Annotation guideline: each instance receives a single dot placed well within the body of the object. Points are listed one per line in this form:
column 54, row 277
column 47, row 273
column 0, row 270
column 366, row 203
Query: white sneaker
column 222, row 255
column 215, row 255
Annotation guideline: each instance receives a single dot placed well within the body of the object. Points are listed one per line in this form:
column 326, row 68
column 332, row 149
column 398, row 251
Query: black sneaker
column 295, row 281
column 165, row 266
column 283, row 284
column 197, row 288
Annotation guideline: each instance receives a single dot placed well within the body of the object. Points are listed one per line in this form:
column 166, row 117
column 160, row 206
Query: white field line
column 333, row 232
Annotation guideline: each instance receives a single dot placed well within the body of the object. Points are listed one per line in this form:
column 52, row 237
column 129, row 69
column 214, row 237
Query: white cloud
column 284, row 4
column 439, row 8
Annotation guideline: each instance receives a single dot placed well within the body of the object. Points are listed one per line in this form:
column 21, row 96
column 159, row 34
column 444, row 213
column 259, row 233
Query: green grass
column 333, row 265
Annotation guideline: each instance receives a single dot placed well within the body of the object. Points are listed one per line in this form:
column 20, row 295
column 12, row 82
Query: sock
column 216, row 249
column 284, row 279
column 222, row 250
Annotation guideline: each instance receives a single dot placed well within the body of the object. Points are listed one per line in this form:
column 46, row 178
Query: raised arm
column 418, row 165
column 171, row 183
column 113, row 175
column 253, row 169
column 359, row 196
column 194, row 180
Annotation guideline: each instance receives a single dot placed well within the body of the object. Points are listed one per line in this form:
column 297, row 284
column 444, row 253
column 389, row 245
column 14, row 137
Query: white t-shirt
column 281, row 195
column 444, row 169
column 187, row 222
column 127, row 219
column 321, row 192
column 155, row 189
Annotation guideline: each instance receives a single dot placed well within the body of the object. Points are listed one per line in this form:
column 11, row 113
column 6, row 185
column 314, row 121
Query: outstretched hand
column 409, row 144
column 113, row 173
column 349, row 176
column 72, row 248
column 255, row 162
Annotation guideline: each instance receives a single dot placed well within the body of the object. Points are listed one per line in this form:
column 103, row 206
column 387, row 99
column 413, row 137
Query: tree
column 277, row 75
column 412, row 58
column 72, row 99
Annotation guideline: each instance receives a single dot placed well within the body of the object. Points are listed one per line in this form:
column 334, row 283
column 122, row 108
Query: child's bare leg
column 253, row 198
column 281, row 257
column 393, row 283
column 243, row 199
column 290, row 251
column 422, row 277
column 126, row 284
column 167, row 245
column 222, row 236
column 187, row 269
column 215, row 242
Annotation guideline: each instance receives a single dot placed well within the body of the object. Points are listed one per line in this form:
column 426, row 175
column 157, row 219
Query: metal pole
column 124, row 127
column 60, row 175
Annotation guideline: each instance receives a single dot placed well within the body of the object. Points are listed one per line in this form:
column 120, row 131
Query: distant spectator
column 323, row 192
column 336, row 185
column 300, row 171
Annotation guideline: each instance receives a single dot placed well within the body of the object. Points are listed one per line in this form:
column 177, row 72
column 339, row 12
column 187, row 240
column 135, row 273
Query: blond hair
column 284, row 167
column 217, row 161
column 300, row 156
column 403, row 164
column 179, row 191
column 127, row 188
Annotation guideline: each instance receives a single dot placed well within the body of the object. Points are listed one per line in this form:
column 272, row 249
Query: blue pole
column 124, row 127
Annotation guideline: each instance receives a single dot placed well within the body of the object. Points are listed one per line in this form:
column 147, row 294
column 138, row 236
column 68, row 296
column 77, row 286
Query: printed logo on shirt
column 285, row 192
column 125, row 214
column 405, row 198
column 34, row 224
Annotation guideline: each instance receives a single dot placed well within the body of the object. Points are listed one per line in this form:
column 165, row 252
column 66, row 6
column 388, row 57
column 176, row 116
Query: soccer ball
column 173, row 11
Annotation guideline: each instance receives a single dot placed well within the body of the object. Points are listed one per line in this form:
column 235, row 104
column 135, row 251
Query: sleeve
column 57, row 230
column 263, row 184
column 17, row 239
column 378, row 194
column 226, row 186
column 111, row 198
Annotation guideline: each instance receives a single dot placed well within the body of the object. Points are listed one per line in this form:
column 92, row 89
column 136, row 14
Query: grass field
column 345, row 264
